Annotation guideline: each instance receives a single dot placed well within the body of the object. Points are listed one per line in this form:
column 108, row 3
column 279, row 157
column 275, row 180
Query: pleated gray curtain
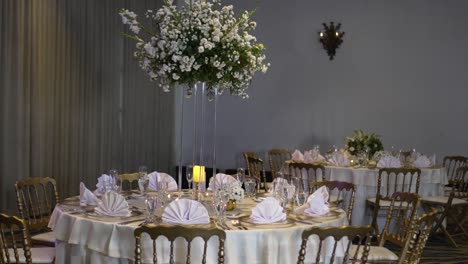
column 73, row 102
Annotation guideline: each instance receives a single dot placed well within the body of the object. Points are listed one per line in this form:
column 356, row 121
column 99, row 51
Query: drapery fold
column 74, row 103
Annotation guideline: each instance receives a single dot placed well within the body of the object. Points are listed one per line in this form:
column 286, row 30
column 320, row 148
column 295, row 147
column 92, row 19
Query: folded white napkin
column 339, row 159
column 219, row 180
column 297, row 156
column 309, row 156
column 268, row 211
column 100, row 186
column 113, row 204
column 186, row 212
column 423, row 162
column 155, row 177
column 317, row 203
column 86, row 196
column 389, row 162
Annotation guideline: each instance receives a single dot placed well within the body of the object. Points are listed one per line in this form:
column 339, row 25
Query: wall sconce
column 331, row 38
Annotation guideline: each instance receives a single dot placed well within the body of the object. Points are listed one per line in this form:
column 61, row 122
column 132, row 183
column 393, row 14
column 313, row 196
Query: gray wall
column 401, row 72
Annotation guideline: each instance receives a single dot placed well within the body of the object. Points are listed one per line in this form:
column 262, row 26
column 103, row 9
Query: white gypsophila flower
column 201, row 49
column 175, row 76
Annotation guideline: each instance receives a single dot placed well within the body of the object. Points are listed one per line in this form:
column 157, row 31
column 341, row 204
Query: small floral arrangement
column 234, row 190
column 361, row 142
column 200, row 42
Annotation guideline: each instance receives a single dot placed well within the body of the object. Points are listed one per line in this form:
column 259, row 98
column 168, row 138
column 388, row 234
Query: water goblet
column 301, row 197
column 189, row 176
column 249, row 185
column 143, row 179
column 151, row 202
column 116, row 183
column 221, row 199
column 240, row 175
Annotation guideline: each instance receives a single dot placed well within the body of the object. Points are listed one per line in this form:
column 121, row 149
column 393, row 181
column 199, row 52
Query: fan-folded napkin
column 219, row 180
column 297, row 156
column 423, row 161
column 309, row 156
column 101, row 185
column 86, row 196
column 317, row 203
column 156, row 177
column 339, row 159
column 389, row 162
column 268, row 211
column 185, row 212
column 113, row 204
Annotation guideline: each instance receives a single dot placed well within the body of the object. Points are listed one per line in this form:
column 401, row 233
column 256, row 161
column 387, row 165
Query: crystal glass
column 189, row 176
column 220, row 201
column 151, row 202
column 241, row 175
column 116, row 183
column 315, row 152
column 277, row 189
column 301, row 197
column 143, row 180
column 250, row 187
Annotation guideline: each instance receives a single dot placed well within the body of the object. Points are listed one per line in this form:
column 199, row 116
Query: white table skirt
column 432, row 183
column 81, row 239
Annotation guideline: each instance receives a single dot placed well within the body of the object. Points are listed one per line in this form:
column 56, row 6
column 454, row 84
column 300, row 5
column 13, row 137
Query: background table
column 432, row 183
column 82, row 239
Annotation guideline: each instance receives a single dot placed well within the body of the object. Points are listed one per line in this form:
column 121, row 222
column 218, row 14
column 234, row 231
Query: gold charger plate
column 247, row 222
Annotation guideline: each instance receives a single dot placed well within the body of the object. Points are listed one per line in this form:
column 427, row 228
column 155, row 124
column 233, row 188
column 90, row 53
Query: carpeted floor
column 439, row 250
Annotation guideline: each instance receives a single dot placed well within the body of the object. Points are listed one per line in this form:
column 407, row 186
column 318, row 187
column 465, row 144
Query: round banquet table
column 85, row 238
column 432, row 183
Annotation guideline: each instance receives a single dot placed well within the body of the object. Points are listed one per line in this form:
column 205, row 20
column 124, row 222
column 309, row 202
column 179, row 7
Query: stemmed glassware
column 151, row 202
column 189, row 176
column 241, row 175
column 143, row 181
column 220, row 201
column 315, row 152
column 249, row 185
column 115, row 184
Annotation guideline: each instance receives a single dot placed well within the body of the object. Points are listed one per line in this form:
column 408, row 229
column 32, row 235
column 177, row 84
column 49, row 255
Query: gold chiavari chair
column 257, row 171
column 420, row 234
column 452, row 207
column 15, row 243
column 398, row 229
column 297, row 169
column 406, row 155
column 361, row 235
column 451, row 164
column 277, row 157
column 344, row 193
column 130, row 181
column 36, row 198
column 390, row 181
column 178, row 231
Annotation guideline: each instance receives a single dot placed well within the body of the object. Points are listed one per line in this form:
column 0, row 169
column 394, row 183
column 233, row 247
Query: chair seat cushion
column 38, row 255
column 47, row 237
column 443, row 200
column 375, row 253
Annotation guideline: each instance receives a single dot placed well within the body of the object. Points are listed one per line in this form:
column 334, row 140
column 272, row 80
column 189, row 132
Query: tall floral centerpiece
column 201, row 45
column 202, row 41
column 361, row 142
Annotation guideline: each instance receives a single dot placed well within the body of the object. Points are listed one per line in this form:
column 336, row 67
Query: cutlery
column 238, row 225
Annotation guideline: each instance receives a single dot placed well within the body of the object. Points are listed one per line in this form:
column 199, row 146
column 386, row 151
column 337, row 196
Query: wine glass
column 240, row 175
column 249, row 185
column 301, row 197
column 151, row 202
column 115, row 183
column 220, row 201
column 315, row 152
column 189, row 176
column 143, row 179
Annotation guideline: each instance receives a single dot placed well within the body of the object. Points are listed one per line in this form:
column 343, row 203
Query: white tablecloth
column 84, row 239
column 431, row 184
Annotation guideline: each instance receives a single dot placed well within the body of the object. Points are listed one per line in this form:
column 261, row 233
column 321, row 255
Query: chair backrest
column 451, row 164
column 313, row 172
column 420, row 234
column 277, row 157
column 401, row 216
column 178, row 231
column 343, row 194
column 460, row 183
column 36, row 199
column 392, row 180
column 14, row 235
column 406, row 155
column 130, row 181
column 256, row 170
column 361, row 235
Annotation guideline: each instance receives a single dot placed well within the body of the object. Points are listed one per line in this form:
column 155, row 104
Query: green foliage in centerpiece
column 360, row 141
column 202, row 41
